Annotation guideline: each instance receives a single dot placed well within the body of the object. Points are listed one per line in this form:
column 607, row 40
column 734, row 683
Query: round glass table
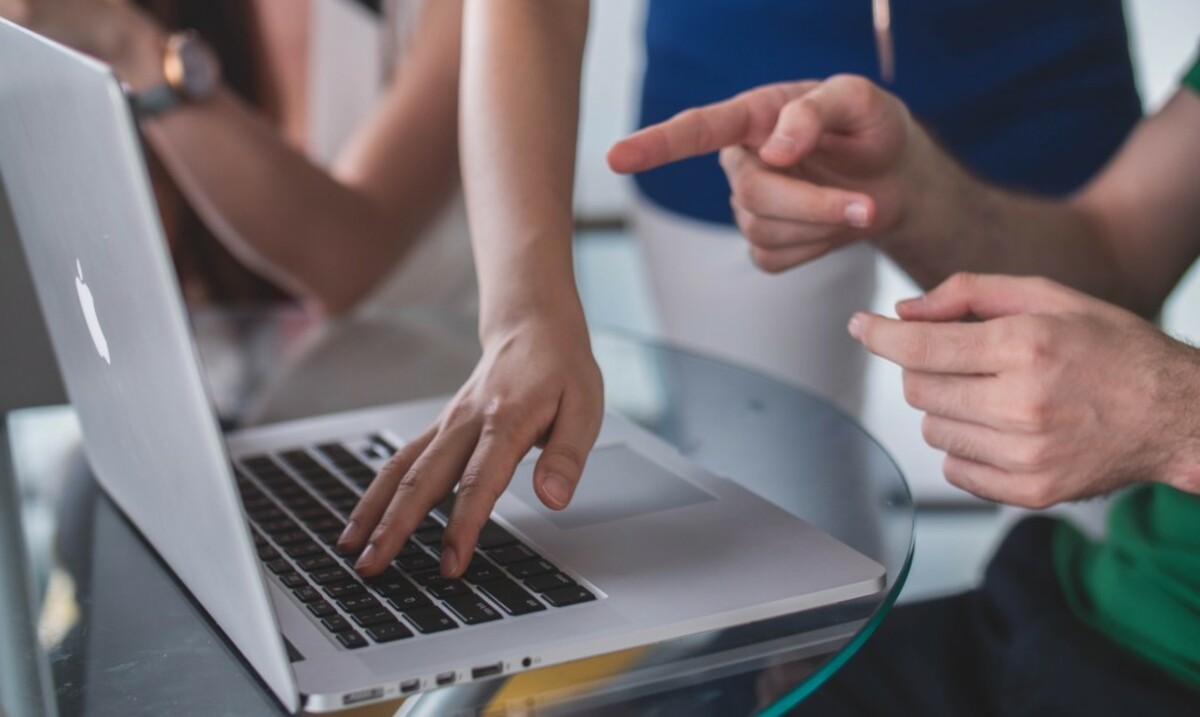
column 94, row 623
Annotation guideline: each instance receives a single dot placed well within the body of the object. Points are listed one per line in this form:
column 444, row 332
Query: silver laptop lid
column 72, row 169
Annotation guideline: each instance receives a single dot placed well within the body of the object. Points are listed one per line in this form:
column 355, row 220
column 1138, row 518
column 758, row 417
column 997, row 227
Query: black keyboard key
column 416, row 562
column 316, row 562
column 279, row 527
column 531, row 568
column 443, row 589
column 256, row 464
column 268, row 554
column 359, row 603
column 446, row 507
column 307, row 594
column 390, row 582
column 303, row 550
column 367, row 618
column 345, row 505
column 339, row 591
column 512, row 598
column 298, row 459
column 279, row 566
column 320, row 608
column 509, row 554
column 493, row 536
column 542, row 583
column 384, row 444
column 293, row 580
column 389, row 632
column 329, row 576
column 430, row 536
column 312, row 513
column 472, row 609
column 291, row 537
column 351, row 640
column 570, row 595
column 336, row 623
column 330, row 537
column 265, row 515
column 430, row 619
column 426, row 579
column 326, row 524
column 408, row 601
column 481, row 571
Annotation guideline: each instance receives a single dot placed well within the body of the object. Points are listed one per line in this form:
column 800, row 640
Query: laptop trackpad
column 618, row 483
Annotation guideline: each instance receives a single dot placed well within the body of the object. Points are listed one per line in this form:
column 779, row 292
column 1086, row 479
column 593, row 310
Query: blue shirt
column 1034, row 94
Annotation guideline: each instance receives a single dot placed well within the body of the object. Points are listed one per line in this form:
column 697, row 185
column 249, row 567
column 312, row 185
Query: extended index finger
column 747, row 119
column 961, row 348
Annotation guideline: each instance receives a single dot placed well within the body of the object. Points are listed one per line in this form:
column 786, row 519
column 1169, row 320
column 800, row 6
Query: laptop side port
column 485, row 671
column 409, row 686
column 446, row 678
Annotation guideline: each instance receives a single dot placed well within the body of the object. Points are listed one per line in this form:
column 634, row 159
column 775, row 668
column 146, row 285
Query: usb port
column 409, row 686
column 446, row 678
column 479, row 673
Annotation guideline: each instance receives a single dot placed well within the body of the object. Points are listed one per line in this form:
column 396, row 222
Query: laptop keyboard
column 298, row 502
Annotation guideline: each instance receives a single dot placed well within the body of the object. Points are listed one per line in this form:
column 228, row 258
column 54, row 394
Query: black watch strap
column 155, row 101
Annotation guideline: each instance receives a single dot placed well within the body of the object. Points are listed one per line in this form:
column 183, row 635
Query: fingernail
column 904, row 303
column 780, row 144
column 855, row 327
column 557, row 490
column 348, row 536
column 368, row 556
column 449, row 561
column 856, row 215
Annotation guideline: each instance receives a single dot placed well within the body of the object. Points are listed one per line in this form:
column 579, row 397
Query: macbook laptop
column 652, row 548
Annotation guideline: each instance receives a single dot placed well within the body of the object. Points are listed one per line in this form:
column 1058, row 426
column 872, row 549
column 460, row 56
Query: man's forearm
column 519, row 114
column 958, row 222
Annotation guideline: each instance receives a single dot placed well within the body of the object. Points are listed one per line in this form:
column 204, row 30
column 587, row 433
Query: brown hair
column 208, row 273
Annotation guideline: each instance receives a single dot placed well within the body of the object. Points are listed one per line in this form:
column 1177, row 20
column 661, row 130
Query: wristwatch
column 192, row 74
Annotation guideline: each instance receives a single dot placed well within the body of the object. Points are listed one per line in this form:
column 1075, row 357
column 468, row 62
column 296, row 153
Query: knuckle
column 768, row 260
column 411, row 481
column 861, row 92
column 953, row 472
column 458, row 413
column 758, row 232
column 749, row 189
column 914, row 393
column 961, row 281
column 473, row 490
column 1038, row 495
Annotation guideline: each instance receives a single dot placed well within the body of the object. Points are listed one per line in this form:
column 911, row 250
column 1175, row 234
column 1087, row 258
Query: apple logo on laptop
column 89, row 314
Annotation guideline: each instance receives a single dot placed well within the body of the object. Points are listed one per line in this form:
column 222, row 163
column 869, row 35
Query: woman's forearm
column 328, row 236
column 519, row 115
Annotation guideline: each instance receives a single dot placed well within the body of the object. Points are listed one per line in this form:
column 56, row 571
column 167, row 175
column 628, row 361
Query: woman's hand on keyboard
column 537, row 384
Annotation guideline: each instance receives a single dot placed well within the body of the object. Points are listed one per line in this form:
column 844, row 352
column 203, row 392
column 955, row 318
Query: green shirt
column 1141, row 586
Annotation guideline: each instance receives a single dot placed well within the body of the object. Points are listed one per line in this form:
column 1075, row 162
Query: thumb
column 559, row 468
column 841, row 104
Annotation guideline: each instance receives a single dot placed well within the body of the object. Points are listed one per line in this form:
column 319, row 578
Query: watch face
column 196, row 72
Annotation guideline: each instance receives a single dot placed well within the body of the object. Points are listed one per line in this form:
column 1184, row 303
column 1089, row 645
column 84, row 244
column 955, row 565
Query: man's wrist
column 1183, row 465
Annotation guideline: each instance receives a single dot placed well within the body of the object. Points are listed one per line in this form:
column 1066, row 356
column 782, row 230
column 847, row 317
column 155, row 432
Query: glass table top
column 94, row 623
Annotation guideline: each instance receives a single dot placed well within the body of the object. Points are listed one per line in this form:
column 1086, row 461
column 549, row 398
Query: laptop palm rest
column 618, row 483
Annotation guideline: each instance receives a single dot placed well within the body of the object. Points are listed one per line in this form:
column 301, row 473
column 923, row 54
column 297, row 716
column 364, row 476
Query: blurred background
column 1164, row 38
